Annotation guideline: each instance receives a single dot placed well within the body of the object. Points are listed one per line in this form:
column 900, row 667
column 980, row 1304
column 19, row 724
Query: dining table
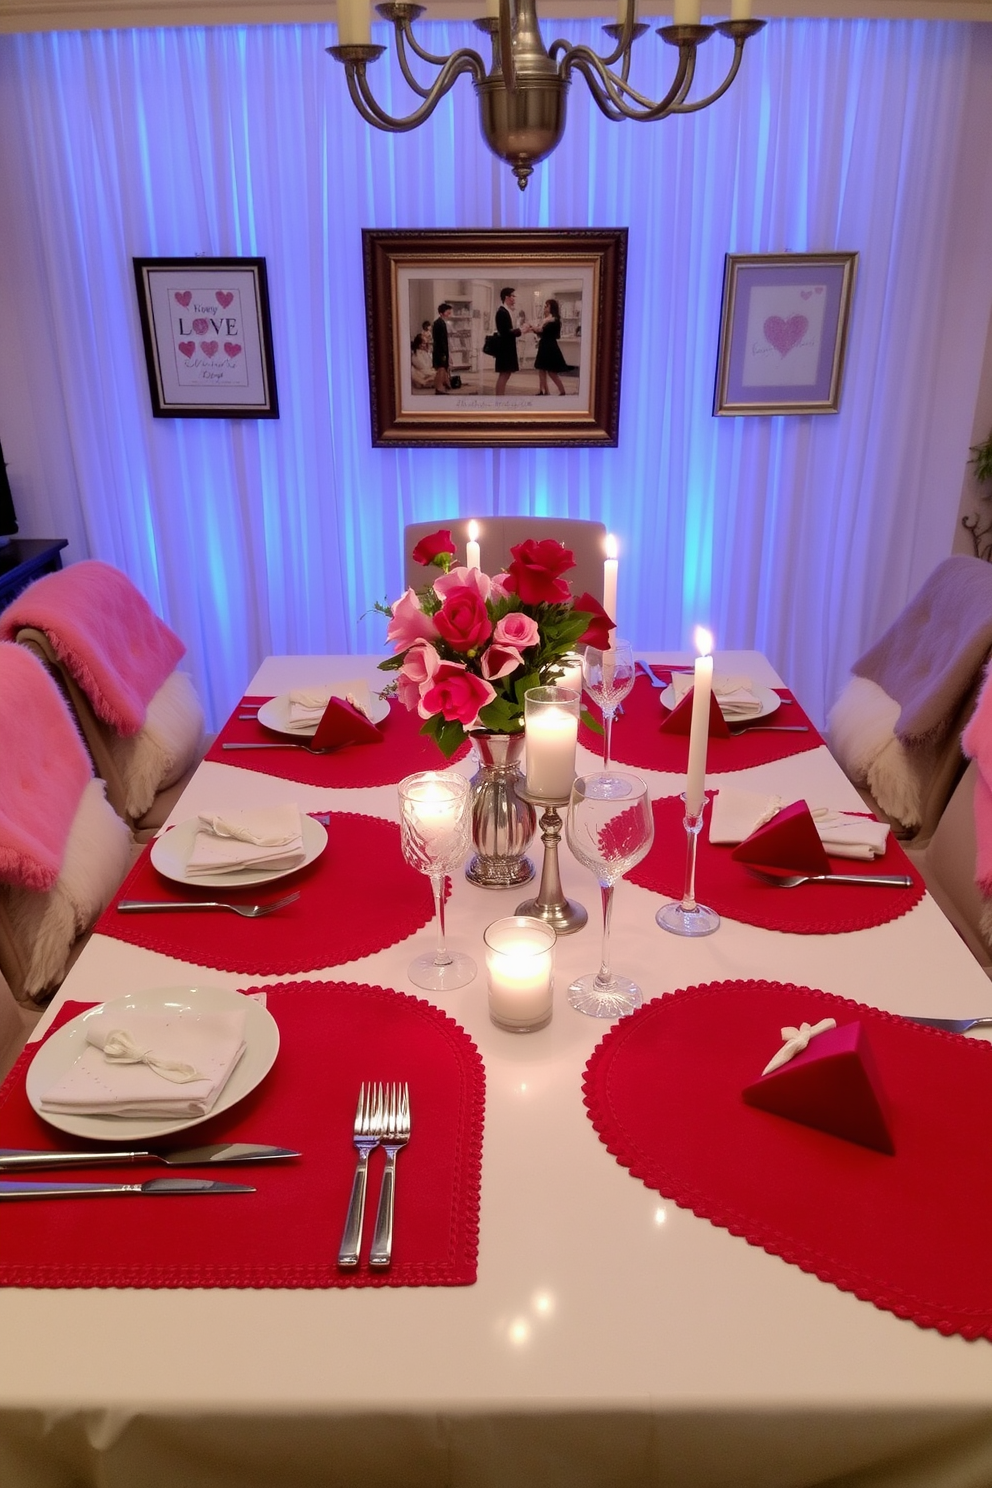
column 602, row 1321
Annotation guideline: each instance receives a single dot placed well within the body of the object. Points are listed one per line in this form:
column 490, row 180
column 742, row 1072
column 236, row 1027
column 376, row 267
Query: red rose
column 533, row 574
column 463, row 620
column 430, row 549
column 597, row 633
column 457, row 694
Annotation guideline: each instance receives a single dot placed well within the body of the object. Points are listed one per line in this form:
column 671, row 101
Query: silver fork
column 768, row 728
column 396, row 1134
column 368, row 1129
column 288, row 745
column 951, row 1025
column 248, row 911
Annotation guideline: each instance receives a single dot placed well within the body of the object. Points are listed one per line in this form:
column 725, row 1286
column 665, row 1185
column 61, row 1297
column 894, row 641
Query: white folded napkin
column 307, row 704
column 733, row 693
column 170, row 1064
column 736, row 813
column 266, row 837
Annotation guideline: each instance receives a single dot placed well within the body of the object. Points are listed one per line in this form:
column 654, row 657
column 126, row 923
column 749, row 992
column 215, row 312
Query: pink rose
column 434, row 548
column 457, row 694
column 463, row 620
column 498, row 587
column 533, row 574
column 516, row 629
column 409, row 623
column 419, row 665
column 498, row 661
column 464, row 578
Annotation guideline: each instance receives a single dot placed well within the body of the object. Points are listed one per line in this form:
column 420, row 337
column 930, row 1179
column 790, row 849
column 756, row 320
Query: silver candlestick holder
column 564, row 916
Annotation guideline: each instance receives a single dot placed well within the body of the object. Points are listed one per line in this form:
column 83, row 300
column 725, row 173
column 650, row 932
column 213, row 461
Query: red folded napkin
column 789, row 843
column 832, row 1085
column 679, row 720
column 342, row 723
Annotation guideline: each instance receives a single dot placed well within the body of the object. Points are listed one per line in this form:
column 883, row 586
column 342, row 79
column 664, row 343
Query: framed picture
column 208, row 337
column 495, row 338
column 783, row 332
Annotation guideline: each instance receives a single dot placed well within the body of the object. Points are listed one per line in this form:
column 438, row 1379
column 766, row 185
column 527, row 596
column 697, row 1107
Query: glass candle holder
column 571, row 671
column 520, row 956
column 551, row 727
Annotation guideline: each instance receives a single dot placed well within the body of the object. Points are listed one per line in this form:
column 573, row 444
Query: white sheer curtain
column 801, row 536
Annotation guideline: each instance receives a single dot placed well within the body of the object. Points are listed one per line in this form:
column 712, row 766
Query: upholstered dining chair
column 497, row 535
column 947, row 863
column 116, row 663
column 63, row 849
column 896, row 727
column 16, row 1023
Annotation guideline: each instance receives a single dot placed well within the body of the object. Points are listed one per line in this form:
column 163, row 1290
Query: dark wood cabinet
column 25, row 559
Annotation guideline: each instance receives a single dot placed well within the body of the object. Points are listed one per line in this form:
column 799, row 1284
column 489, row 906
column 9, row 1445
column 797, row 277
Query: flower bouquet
column 468, row 646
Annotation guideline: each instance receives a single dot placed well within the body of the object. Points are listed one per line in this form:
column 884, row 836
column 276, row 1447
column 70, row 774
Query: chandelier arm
column 403, row 27
column 701, row 103
column 372, row 113
column 618, row 90
column 621, row 50
column 601, row 95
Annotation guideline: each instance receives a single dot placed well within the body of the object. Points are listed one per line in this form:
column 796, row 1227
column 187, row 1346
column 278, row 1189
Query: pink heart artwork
column 785, row 334
column 209, row 348
column 232, row 348
column 187, row 348
column 200, row 326
column 224, row 298
column 805, row 294
column 183, row 298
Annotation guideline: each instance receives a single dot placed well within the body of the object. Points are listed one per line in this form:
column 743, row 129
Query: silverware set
column 22, row 1160
column 382, row 1118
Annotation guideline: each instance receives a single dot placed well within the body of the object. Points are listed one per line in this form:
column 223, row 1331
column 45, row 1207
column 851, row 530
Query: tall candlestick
column 473, row 557
column 699, row 728
column 610, row 582
column 354, row 23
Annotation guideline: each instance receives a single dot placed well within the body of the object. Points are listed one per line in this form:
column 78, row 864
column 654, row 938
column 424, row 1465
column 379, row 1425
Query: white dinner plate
column 63, row 1048
column 769, row 700
column 275, row 715
column 170, row 854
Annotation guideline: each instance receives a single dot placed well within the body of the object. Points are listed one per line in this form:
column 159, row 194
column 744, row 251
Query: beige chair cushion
column 41, row 931
column 16, row 1023
column 948, row 866
column 497, row 535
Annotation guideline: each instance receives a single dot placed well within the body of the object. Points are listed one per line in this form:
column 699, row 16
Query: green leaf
column 592, row 723
column 502, row 716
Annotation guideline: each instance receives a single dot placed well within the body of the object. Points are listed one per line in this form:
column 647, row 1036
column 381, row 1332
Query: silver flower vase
column 503, row 823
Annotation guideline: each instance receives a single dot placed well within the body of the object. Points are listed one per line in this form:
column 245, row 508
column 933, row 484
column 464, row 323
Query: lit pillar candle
column 551, row 724
column 354, row 23
column 699, row 728
column 473, row 557
column 571, row 671
column 610, row 581
column 520, row 972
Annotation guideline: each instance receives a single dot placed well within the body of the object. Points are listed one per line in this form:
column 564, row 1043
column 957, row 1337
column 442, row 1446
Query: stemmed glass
column 435, row 831
column 610, row 827
column 608, row 676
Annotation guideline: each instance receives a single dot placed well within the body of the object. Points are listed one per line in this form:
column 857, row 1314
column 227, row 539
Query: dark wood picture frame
column 408, row 274
column 207, row 335
column 783, row 332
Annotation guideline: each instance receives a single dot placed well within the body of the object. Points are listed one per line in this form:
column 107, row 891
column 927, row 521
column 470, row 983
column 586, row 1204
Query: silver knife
column 14, row 1159
column 10, row 1190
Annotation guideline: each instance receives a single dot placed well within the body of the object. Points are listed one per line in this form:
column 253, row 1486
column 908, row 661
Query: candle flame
column 473, row 531
column 704, row 641
column 612, row 547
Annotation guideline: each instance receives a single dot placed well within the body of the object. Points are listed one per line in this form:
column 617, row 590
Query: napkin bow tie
column 796, row 1040
column 120, row 1048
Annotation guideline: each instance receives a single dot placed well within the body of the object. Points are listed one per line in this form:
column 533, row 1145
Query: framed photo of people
column 495, row 338
column 783, row 332
column 207, row 336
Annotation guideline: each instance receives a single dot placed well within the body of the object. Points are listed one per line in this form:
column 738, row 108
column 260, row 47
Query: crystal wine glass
column 610, row 827
column 608, row 676
column 435, row 831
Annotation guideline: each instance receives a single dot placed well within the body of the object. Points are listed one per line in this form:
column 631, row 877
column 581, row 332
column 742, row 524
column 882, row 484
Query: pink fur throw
column 106, row 634
column 45, row 771
column 931, row 654
column 976, row 743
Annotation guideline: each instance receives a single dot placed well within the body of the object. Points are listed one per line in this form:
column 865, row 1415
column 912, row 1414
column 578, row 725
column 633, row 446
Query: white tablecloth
column 611, row 1339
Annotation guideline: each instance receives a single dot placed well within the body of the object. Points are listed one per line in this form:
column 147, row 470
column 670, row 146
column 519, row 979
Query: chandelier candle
column 520, row 962
column 551, row 725
column 473, row 557
column 354, row 23
column 699, row 728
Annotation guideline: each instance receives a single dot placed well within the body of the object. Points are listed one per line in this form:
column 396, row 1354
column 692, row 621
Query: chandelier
column 522, row 94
